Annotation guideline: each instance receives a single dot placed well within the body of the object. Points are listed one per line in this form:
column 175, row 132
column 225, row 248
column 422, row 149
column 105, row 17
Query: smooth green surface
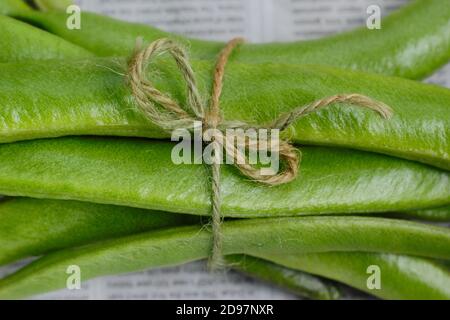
column 22, row 42
column 302, row 284
column 31, row 227
column 173, row 246
column 140, row 173
column 92, row 97
column 403, row 286
column 402, row 277
column 412, row 42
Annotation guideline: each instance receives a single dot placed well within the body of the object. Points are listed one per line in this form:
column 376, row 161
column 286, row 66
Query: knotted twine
column 169, row 115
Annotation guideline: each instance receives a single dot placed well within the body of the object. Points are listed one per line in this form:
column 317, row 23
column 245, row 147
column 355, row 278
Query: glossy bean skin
column 412, row 42
column 22, row 42
column 31, row 227
column 297, row 282
column 92, row 97
column 140, row 173
column 175, row 246
column 402, row 277
column 52, row 48
column 45, row 57
column 433, row 146
column 83, row 222
column 15, row 126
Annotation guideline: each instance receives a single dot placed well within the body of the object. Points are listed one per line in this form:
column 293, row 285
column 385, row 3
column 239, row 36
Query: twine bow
column 165, row 112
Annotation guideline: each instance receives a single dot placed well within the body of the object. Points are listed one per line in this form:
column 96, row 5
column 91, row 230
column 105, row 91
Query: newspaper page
column 256, row 21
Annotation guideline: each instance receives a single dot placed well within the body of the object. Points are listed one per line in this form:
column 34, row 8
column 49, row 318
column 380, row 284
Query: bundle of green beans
column 98, row 202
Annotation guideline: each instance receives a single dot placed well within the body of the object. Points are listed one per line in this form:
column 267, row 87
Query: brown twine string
column 165, row 112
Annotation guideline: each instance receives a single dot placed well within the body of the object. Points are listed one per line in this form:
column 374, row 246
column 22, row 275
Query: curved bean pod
column 299, row 283
column 129, row 172
column 47, row 57
column 31, row 227
column 402, row 48
column 8, row 7
column 22, row 42
column 25, row 42
column 254, row 236
column 92, row 97
column 80, row 223
column 401, row 277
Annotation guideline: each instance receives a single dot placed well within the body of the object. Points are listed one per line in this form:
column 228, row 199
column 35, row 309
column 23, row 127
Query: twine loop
column 169, row 115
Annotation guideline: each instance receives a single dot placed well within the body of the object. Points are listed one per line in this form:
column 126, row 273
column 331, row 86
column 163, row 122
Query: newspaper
column 257, row 21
